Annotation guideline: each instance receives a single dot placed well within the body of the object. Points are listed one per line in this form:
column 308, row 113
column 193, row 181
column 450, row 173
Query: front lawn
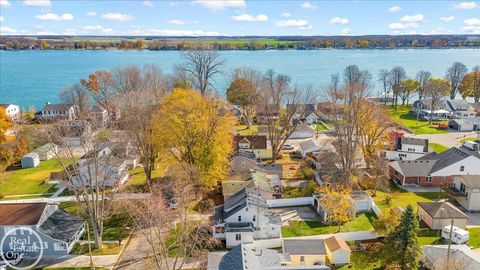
column 244, row 131
column 403, row 116
column 137, row 180
column 437, row 148
column 474, row 241
column 30, row 180
column 403, row 198
column 107, row 249
column 305, row 228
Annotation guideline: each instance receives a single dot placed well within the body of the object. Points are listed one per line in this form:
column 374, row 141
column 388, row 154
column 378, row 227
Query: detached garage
column 30, row 160
column 437, row 215
column 466, row 124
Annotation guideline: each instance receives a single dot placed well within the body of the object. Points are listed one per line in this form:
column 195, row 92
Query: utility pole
column 449, row 244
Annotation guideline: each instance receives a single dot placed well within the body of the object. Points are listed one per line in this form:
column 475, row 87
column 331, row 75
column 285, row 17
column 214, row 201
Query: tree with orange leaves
column 4, row 124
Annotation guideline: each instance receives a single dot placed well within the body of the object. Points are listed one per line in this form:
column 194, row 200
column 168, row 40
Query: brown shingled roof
column 442, row 210
column 21, row 213
column 256, row 141
column 334, row 243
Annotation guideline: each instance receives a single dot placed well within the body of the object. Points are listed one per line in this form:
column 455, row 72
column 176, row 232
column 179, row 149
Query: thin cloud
column 308, row 5
column 300, row 24
column 176, row 22
column 472, row 21
column 118, row 17
column 344, row 32
column 338, row 20
column 91, row 13
column 55, row 17
column 4, row 3
column 37, row 3
column 412, row 18
column 7, row 30
column 447, row 19
column 401, row 26
column 466, row 5
column 169, row 32
column 216, row 5
column 394, row 9
column 1, row 19
column 286, row 14
column 250, row 18
column 147, row 3
column 97, row 28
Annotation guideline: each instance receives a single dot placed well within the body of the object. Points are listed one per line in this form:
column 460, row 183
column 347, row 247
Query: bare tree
column 436, row 90
column 349, row 96
column 126, row 79
column 78, row 96
column 172, row 233
column 202, row 65
column 279, row 104
column 89, row 171
column 422, row 77
column 383, row 78
column 100, row 86
column 455, row 74
column 397, row 75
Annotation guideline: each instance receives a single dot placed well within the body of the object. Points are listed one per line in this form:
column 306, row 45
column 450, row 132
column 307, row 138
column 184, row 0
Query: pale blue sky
column 237, row 17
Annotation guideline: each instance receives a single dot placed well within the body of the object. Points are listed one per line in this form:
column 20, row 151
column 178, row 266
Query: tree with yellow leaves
column 189, row 129
column 470, row 86
column 336, row 204
column 4, row 124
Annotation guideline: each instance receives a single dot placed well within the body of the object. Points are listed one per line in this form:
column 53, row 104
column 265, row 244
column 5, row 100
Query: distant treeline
column 239, row 43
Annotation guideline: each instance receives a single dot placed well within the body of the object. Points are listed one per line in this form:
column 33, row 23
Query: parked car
column 288, row 147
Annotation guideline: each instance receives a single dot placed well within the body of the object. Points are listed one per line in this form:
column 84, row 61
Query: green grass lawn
column 364, row 260
column 468, row 139
column 320, row 127
column 295, row 192
column 304, row 228
column 438, row 148
column 403, row 198
column 29, row 181
column 137, row 180
column 403, row 116
column 107, row 249
column 474, row 241
column 243, row 130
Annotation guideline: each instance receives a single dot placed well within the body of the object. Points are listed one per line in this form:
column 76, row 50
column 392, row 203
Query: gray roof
column 414, row 141
column 239, row 227
column 467, row 121
column 303, row 128
column 309, row 144
column 442, row 210
column 458, row 105
column 57, row 107
column 61, row 225
column 433, row 162
column 472, row 181
column 304, row 246
column 461, row 255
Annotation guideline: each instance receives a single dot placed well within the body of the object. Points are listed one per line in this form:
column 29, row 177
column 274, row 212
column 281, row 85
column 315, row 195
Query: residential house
column 329, row 111
column 246, row 161
column 422, row 108
column 407, row 148
column 461, row 257
column 466, row 191
column 256, row 144
column 58, row 230
column 243, row 218
column 255, row 181
column 310, row 252
column 309, row 147
column 265, row 114
column 252, row 256
column 46, row 151
column 236, row 111
column 476, row 107
column 12, row 110
column 75, row 132
column 435, row 169
column 459, row 108
column 302, row 131
column 58, row 112
column 304, row 113
column 99, row 117
column 360, row 202
column 465, row 124
column 437, row 215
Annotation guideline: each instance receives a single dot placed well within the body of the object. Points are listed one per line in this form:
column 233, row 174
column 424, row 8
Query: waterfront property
column 51, row 112
column 59, row 231
column 12, row 110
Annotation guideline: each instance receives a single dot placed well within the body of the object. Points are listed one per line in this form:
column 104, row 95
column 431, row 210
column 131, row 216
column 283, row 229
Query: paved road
column 448, row 139
column 78, row 261
column 118, row 196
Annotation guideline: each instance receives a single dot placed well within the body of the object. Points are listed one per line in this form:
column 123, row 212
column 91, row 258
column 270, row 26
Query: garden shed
column 30, row 160
column 46, row 151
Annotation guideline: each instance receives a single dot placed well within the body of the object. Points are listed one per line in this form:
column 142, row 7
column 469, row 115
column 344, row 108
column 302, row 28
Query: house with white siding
column 12, row 110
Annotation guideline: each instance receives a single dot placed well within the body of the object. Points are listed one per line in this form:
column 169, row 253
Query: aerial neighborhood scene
column 239, row 135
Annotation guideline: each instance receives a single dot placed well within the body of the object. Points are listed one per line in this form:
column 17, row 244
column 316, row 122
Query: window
column 238, row 237
column 429, row 179
column 254, row 217
column 462, row 168
column 411, row 149
column 302, row 258
column 239, row 218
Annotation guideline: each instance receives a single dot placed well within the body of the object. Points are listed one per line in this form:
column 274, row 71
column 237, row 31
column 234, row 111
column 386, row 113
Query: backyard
column 243, row 130
column 29, row 181
column 304, row 228
column 437, row 148
column 402, row 198
column 403, row 116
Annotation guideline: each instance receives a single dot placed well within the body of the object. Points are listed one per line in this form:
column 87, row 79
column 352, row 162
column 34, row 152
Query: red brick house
column 435, row 169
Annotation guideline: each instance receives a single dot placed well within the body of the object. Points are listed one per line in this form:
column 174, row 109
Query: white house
column 108, row 171
column 466, row 191
column 99, row 116
column 12, row 110
column 46, row 151
column 459, row 108
column 465, row 124
column 243, row 218
column 309, row 147
column 58, row 111
column 422, row 108
column 407, row 148
column 256, row 144
column 302, row 131
column 75, row 132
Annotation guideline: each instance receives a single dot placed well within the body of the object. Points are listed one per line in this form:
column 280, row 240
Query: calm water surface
column 33, row 77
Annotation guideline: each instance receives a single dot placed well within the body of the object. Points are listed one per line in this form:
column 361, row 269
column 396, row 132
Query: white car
column 288, row 147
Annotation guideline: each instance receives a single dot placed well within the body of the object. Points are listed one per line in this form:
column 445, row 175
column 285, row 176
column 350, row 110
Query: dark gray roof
column 467, row 121
column 61, row 225
column 442, row 210
column 57, row 107
column 218, row 215
column 458, row 105
column 414, row 141
column 239, row 227
column 304, row 246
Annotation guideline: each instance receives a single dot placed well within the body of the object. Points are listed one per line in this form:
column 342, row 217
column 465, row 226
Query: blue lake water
column 30, row 78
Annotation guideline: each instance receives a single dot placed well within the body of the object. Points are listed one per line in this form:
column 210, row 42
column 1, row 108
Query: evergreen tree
column 401, row 245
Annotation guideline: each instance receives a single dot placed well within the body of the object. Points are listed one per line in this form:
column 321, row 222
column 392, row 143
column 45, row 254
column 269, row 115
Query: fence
column 290, row 202
column 375, row 209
